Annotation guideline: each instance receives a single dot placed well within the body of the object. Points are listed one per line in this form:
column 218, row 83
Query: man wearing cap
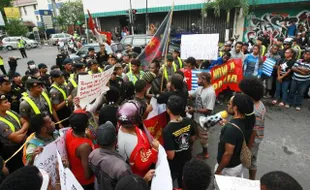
column 31, row 65
column 36, row 101
column 45, row 78
column 60, row 99
column 169, row 68
column 176, row 57
column 13, row 133
column 136, row 73
column 125, row 59
column 204, row 105
column 5, row 85
column 93, row 67
column 79, row 148
column 91, row 55
column 60, row 58
column 68, row 70
column 297, row 48
column 226, row 48
column 102, row 55
column 73, row 79
column 116, row 79
column 263, row 48
column 111, row 59
column 17, row 89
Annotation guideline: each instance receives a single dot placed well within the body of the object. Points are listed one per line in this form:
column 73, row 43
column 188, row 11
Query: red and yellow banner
column 156, row 124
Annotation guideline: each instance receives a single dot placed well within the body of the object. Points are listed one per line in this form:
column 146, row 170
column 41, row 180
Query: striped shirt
column 298, row 76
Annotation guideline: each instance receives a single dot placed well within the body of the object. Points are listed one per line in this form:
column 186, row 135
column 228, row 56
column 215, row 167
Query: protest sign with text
column 236, row 183
column 91, row 86
column 47, row 159
column 200, row 46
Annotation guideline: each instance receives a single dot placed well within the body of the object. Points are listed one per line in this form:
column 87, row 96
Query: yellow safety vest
column 166, row 72
column 60, row 90
column 10, row 124
column 73, row 82
column 21, row 44
column 263, row 50
column 99, row 69
column 34, row 106
column 180, row 62
column 1, row 62
column 299, row 51
column 133, row 78
column 129, row 65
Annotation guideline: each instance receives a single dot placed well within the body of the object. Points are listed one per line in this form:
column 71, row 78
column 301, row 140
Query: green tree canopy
column 71, row 13
column 16, row 28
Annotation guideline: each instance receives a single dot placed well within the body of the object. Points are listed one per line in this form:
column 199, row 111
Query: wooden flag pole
column 167, row 48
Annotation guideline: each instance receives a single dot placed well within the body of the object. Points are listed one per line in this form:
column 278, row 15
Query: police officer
column 136, row 73
column 68, row 69
column 36, row 101
column 60, row 99
column 5, row 86
column 176, row 58
column 102, row 55
column 73, row 81
column 17, row 89
column 116, row 79
column 60, row 59
column 21, row 47
column 93, row 67
column 2, row 65
column 13, row 133
column 45, row 78
column 91, row 55
column 169, row 68
column 31, row 65
column 132, row 55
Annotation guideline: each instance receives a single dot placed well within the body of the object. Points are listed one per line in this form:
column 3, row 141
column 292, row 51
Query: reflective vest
column 180, row 62
column 9, row 123
column 129, row 65
column 1, row 62
column 91, row 72
column 133, row 78
column 34, row 106
column 263, row 50
column 20, row 44
column 73, row 82
column 166, row 72
column 298, row 53
column 60, row 90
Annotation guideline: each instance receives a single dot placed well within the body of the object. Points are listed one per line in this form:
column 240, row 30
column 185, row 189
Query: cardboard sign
column 200, row 46
column 236, row 183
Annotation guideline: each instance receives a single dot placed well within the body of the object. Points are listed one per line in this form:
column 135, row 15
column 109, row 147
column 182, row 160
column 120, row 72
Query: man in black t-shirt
column 178, row 136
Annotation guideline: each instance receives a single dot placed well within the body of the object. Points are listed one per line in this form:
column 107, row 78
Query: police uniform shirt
column 70, row 87
column 66, row 75
column 25, row 110
column 15, row 96
column 5, row 129
column 56, row 95
column 170, row 70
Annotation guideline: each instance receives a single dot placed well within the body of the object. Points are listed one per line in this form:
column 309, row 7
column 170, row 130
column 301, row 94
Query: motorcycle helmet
column 129, row 114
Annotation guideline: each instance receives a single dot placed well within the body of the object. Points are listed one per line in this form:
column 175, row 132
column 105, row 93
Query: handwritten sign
column 67, row 179
column 48, row 158
column 236, row 183
column 63, row 131
column 91, row 86
column 200, row 46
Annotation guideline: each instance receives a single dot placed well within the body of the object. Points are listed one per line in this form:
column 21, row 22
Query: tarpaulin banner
column 155, row 125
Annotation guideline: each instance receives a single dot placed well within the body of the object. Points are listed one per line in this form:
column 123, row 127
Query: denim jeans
column 297, row 92
column 282, row 87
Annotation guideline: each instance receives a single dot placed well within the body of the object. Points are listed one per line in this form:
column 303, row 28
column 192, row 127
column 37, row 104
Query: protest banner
column 200, row 46
column 223, row 76
column 67, row 179
column 91, row 86
column 63, row 131
column 236, row 183
column 47, row 159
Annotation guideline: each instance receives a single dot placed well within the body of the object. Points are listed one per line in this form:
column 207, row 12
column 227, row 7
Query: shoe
column 202, row 156
column 298, row 108
column 281, row 104
column 274, row 102
column 287, row 105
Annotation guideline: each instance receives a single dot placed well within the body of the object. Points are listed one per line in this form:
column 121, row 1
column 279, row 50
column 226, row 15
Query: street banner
column 92, row 86
column 47, row 159
column 200, row 46
column 2, row 23
column 67, row 179
column 230, row 183
column 12, row 12
column 227, row 75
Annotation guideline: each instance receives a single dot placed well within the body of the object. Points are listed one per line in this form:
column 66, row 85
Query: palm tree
column 226, row 5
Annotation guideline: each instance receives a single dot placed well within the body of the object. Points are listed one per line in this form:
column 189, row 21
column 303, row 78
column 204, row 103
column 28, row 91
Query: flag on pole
column 101, row 36
column 158, row 45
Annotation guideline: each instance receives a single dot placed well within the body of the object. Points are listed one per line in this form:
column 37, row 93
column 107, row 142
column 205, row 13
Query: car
column 82, row 52
column 11, row 42
column 60, row 36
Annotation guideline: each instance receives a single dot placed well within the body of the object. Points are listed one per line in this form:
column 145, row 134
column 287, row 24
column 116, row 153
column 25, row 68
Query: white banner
column 200, row 46
column 67, row 179
column 48, row 158
column 236, row 183
column 91, row 86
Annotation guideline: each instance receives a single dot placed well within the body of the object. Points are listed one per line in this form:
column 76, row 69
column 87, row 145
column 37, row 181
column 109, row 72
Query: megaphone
column 207, row 122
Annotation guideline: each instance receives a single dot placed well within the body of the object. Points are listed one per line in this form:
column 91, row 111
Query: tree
column 16, row 28
column 226, row 5
column 71, row 13
column 61, row 22
column 5, row 3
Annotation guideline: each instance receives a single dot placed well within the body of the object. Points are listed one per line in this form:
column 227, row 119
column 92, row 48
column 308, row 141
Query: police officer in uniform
column 102, row 56
column 36, row 101
column 17, row 89
column 5, row 86
column 68, row 69
column 60, row 99
column 91, row 55
column 73, row 81
column 13, row 133
column 93, row 67
column 177, row 59
column 60, row 59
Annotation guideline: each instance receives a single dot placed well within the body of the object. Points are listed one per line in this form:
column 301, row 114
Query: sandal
column 298, row 108
column 281, row 104
column 274, row 102
column 202, row 156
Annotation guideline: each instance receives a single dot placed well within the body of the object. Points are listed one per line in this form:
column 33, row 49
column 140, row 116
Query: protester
column 102, row 55
column 141, row 88
column 204, row 105
column 279, row 180
column 108, row 111
column 284, row 79
column 79, row 148
column 133, row 143
column 252, row 63
column 221, row 60
column 190, row 63
column 236, row 53
column 44, row 133
column 196, row 175
column 178, row 136
column 262, row 47
column 300, row 81
column 245, row 48
column 132, row 182
column 255, row 90
column 159, row 83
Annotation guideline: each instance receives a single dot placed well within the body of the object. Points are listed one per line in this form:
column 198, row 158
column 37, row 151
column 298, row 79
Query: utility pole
column 131, row 17
column 146, row 18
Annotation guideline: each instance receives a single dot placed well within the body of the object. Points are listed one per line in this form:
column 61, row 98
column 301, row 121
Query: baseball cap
column 79, row 120
column 56, row 74
column 111, row 56
column 4, row 78
column 42, row 66
column 31, row 62
column 68, row 60
column 106, row 134
column 78, row 64
column 148, row 77
column 91, row 49
column 92, row 61
column 30, row 83
column 16, row 74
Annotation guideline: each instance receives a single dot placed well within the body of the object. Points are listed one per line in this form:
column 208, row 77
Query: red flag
column 101, row 36
column 155, row 125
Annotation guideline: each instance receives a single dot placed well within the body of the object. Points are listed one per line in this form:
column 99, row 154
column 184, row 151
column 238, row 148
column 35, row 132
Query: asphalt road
column 286, row 145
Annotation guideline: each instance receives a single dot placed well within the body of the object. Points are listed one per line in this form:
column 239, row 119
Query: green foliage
column 61, row 22
column 71, row 13
column 226, row 5
column 16, row 27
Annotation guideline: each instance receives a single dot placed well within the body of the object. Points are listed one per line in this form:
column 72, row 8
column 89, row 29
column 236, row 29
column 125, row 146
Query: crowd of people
column 33, row 107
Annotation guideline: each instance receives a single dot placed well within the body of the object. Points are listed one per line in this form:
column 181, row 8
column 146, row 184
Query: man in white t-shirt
column 204, row 105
